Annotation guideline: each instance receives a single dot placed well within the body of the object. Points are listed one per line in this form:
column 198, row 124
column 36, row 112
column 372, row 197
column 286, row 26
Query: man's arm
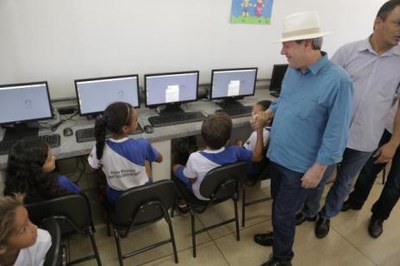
column 313, row 175
column 386, row 152
column 335, row 136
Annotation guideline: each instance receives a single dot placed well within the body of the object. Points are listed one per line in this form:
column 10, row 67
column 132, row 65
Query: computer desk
column 160, row 138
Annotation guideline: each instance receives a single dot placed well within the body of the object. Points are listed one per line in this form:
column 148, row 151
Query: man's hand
column 313, row 176
column 385, row 153
column 261, row 119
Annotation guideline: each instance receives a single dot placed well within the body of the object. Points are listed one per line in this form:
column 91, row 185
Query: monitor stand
column 229, row 104
column 170, row 109
column 20, row 131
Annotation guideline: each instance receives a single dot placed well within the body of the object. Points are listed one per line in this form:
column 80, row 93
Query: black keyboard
column 87, row 134
column 52, row 140
column 237, row 111
column 176, row 118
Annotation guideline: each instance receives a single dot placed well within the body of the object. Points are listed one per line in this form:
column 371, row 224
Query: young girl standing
column 121, row 158
column 21, row 242
column 30, row 171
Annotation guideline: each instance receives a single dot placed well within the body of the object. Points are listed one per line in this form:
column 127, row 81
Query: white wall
column 63, row 40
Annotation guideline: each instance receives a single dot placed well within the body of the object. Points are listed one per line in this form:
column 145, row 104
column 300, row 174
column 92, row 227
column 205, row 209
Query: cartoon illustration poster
column 251, row 11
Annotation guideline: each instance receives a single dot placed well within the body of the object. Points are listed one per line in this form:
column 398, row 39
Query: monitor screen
column 169, row 88
column 94, row 95
column 24, row 102
column 230, row 83
column 278, row 72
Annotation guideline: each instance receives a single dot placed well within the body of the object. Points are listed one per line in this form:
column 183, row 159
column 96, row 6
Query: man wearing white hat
column 374, row 65
column 310, row 129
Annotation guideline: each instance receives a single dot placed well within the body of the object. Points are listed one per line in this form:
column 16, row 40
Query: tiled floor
column 348, row 242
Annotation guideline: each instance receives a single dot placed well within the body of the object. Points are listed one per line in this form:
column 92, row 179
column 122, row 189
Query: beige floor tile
column 332, row 250
column 140, row 238
column 245, row 251
column 348, row 243
column 353, row 226
column 207, row 254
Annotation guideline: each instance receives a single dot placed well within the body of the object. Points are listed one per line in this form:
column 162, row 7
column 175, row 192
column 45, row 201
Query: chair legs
column 245, row 203
column 95, row 250
column 243, row 206
column 121, row 256
column 192, row 219
column 171, row 233
column 117, row 242
column 236, row 220
column 194, row 232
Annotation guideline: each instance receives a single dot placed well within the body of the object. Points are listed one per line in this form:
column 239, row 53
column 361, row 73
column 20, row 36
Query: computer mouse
column 148, row 129
column 68, row 132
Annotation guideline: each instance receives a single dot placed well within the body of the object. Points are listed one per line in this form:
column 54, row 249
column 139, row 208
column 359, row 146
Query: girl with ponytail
column 121, row 158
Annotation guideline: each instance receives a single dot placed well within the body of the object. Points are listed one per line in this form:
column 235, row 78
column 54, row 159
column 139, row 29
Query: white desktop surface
column 160, row 138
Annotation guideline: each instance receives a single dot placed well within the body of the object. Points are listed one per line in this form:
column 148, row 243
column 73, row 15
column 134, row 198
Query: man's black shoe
column 276, row 262
column 348, row 204
column 264, row 239
column 300, row 218
column 322, row 227
column 375, row 227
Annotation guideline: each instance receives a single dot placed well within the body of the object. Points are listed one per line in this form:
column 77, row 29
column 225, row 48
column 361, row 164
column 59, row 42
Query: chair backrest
column 72, row 211
column 143, row 204
column 221, row 182
column 53, row 254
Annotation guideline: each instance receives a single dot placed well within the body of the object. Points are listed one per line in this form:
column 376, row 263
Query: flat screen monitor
column 171, row 88
column 95, row 94
column 21, row 103
column 233, row 83
column 278, row 72
column 24, row 102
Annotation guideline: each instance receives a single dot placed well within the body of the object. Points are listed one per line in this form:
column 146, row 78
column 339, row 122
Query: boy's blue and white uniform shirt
column 123, row 162
column 201, row 162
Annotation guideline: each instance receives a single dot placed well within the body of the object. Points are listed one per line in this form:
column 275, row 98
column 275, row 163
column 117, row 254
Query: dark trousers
column 287, row 193
column 391, row 191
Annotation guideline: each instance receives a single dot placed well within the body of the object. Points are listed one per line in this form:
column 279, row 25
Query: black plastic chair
column 219, row 185
column 262, row 173
column 139, row 207
column 73, row 214
column 53, row 256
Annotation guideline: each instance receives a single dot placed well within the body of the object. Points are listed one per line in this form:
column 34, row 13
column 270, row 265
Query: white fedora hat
column 301, row 26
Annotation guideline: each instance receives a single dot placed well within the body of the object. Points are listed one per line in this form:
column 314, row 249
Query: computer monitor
column 171, row 89
column 95, row 94
column 231, row 84
column 278, row 72
column 22, row 103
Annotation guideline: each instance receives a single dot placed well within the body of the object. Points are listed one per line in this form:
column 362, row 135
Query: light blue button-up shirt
column 312, row 117
column 376, row 81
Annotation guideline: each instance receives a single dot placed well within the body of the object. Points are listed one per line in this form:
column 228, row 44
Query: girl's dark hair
column 115, row 116
column 216, row 130
column 265, row 104
column 387, row 8
column 24, row 172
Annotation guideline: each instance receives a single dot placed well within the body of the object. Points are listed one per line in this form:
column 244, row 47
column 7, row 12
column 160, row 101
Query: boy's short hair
column 8, row 205
column 216, row 130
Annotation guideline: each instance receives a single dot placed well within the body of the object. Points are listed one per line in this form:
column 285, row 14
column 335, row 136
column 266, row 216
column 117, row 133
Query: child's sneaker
column 183, row 208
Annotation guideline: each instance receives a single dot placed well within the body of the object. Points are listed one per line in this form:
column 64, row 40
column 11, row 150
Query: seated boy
column 216, row 132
